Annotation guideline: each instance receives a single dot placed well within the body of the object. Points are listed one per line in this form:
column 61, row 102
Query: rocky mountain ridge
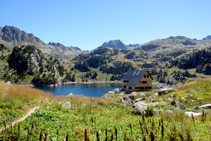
column 207, row 38
column 117, row 44
column 11, row 36
column 174, row 43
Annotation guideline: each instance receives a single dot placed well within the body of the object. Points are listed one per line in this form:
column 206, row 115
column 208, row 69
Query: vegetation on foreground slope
column 101, row 119
column 16, row 100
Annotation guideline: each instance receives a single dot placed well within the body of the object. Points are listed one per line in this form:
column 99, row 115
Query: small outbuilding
column 137, row 80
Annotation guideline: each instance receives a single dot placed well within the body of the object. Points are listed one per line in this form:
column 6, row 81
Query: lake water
column 91, row 90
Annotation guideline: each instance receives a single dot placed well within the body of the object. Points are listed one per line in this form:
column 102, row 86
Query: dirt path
column 21, row 119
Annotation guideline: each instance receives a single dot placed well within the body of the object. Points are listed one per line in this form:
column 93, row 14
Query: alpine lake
column 85, row 89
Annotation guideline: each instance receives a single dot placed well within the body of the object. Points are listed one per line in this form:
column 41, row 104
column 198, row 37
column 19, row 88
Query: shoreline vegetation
column 67, row 83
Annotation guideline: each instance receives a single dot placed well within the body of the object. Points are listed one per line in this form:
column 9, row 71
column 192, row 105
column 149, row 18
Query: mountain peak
column 177, row 37
column 56, row 44
column 207, row 38
column 114, row 44
column 59, row 45
column 13, row 34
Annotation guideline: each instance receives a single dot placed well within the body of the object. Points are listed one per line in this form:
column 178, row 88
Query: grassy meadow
column 102, row 119
column 16, row 100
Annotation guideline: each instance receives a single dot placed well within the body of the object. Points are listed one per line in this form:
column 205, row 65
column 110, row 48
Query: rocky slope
column 169, row 66
column 11, row 36
column 27, row 64
column 26, row 59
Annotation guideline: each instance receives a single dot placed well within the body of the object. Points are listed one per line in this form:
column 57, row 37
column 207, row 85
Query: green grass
column 96, row 116
column 202, row 88
column 51, row 118
column 16, row 100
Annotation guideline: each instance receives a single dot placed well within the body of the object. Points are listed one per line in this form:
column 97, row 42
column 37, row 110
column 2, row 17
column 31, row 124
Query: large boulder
column 183, row 99
column 127, row 100
column 193, row 91
column 142, row 94
column 168, row 98
column 140, row 99
column 192, row 113
column 157, row 103
column 191, row 74
column 206, row 106
column 140, row 107
column 178, row 104
column 196, row 107
column 116, row 90
column 134, row 94
column 189, row 96
column 66, row 105
column 161, row 111
column 199, row 99
column 165, row 91
column 70, row 95
column 132, row 97
column 8, row 83
column 173, row 96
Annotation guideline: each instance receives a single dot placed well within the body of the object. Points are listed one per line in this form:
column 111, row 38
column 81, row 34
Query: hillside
column 28, row 65
column 170, row 67
column 174, row 60
column 101, row 64
column 81, row 118
column 11, row 36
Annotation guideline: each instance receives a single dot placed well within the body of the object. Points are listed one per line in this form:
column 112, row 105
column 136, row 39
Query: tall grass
column 16, row 100
column 98, row 119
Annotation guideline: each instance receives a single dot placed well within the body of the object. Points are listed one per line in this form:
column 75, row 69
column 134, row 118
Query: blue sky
column 88, row 23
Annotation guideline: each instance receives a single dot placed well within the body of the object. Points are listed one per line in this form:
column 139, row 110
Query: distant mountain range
column 11, row 36
column 172, row 60
column 175, row 43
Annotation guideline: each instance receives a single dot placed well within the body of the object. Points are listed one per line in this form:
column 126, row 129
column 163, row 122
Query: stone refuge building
column 137, row 80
